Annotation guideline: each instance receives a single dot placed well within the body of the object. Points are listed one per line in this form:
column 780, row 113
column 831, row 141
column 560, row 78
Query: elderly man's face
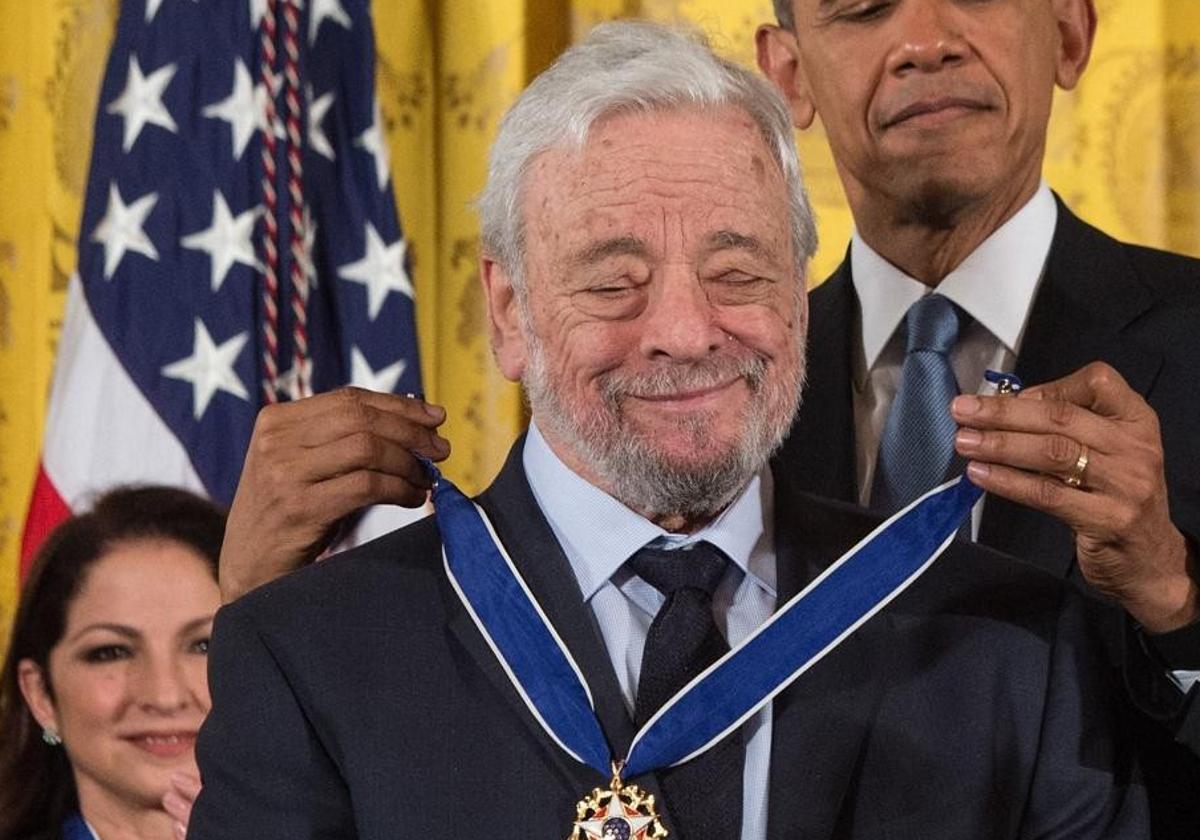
column 661, row 341
column 930, row 103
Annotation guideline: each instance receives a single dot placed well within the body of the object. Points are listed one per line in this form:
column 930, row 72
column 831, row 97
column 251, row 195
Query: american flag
column 239, row 244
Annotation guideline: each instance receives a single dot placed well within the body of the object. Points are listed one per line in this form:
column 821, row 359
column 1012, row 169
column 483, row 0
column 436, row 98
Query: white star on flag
column 381, row 270
column 615, row 808
column 322, row 9
column 227, row 240
column 141, row 101
column 374, row 142
column 317, row 109
column 121, row 229
column 245, row 109
column 307, row 262
column 209, row 369
column 363, row 376
column 258, row 10
column 287, row 384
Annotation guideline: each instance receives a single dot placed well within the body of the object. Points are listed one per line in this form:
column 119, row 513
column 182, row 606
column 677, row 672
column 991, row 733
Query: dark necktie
column 916, row 450
column 704, row 794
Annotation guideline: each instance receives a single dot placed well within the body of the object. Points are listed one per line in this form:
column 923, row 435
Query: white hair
column 622, row 67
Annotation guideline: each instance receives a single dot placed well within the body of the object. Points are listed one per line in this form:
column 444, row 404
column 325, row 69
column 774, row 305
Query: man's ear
column 1077, row 32
column 37, row 694
column 779, row 60
column 504, row 319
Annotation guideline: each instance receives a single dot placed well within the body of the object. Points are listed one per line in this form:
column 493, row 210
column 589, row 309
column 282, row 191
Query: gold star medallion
column 621, row 812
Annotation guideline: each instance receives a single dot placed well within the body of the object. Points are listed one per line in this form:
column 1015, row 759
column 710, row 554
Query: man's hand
column 312, row 462
column 178, row 801
column 1024, row 449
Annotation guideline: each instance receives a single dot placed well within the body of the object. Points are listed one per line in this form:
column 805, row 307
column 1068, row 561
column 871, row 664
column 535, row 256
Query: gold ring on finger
column 1075, row 479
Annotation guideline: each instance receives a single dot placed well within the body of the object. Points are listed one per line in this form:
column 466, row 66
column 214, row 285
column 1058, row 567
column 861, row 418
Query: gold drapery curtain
column 1124, row 151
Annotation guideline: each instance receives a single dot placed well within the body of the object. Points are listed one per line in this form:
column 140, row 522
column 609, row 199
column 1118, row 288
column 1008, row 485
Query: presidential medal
column 848, row 593
column 622, row 812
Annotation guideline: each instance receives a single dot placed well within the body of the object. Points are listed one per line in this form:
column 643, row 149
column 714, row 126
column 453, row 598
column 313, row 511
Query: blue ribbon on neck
column 809, row 626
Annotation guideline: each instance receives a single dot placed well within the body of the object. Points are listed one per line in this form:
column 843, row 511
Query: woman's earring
column 51, row 737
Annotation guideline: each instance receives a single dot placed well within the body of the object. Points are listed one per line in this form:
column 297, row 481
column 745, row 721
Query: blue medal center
column 615, row 828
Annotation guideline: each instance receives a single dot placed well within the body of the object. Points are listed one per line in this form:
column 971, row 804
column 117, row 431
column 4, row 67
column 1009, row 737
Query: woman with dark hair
column 105, row 683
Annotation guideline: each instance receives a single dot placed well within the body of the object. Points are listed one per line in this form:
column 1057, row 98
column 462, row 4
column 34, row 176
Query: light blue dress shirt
column 598, row 534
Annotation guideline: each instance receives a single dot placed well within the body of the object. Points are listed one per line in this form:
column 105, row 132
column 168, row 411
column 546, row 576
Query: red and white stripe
column 101, row 431
column 295, row 149
column 270, row 236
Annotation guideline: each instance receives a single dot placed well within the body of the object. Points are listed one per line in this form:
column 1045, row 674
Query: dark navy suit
column 356, row 698
column 1137, row 309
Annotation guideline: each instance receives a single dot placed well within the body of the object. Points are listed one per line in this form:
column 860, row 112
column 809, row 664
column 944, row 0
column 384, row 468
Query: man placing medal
column 639, row 606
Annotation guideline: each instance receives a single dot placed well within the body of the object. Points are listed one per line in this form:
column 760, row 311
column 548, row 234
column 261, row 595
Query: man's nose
column 679, row 320
column 927, row 37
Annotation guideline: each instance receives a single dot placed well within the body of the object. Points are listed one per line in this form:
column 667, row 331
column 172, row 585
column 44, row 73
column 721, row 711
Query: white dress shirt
column 995, row 285
column 598, row 534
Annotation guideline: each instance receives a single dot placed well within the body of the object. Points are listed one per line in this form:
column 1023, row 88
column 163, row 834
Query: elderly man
column 645, row 235
column 936, row 113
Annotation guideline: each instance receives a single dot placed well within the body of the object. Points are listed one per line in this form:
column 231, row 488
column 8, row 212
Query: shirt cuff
column 1179, row 652
column 1150, row 677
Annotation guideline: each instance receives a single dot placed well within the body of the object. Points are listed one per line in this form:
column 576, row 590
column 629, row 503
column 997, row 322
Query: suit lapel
column 821, row 442
column 1087, row 298
column 540, row 560
column 821, row 720
column 527, row 537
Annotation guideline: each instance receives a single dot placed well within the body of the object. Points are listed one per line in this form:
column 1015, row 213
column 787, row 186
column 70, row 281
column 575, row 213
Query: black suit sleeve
column 1085, row 782
column 264, row 770
column 1149, row 661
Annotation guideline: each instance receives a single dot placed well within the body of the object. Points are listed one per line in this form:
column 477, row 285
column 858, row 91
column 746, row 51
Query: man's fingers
column 291, row 446
column 414, row 408
column 364, row 451
column 349, row 492
column 310, row 516
column 319, row 419
column 1096, row 387
column 1076, row 507
column 1038, row 417
column 1057, row 455
column 399, row 431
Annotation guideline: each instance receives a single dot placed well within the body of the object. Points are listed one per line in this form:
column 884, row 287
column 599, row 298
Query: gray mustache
column 686, row 376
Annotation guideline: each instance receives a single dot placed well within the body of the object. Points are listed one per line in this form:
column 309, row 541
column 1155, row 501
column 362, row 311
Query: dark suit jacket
column 356, row 698
column 1137, row 309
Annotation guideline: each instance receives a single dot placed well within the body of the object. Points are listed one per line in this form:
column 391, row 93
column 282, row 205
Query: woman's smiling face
column 128, row 684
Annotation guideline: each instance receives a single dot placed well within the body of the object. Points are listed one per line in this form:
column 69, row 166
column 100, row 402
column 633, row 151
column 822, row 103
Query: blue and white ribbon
column 734, row 687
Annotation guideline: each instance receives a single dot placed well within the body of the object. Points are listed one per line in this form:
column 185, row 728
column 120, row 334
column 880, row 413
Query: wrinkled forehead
column 670, row 177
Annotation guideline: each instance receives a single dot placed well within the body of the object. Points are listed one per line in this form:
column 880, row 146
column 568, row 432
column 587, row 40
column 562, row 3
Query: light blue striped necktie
column 916, row 450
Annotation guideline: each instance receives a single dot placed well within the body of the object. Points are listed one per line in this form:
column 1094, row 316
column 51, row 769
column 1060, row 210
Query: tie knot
column 932, row 323
column 699, row 566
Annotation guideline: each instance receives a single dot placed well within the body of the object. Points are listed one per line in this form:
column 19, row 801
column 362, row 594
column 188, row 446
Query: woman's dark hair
column 37, row 790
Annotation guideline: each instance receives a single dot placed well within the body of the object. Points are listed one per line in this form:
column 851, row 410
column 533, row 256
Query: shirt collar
column 995, row 284
column 598, row 533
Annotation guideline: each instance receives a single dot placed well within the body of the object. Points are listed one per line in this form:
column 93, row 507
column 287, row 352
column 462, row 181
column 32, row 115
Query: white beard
column 631, row 468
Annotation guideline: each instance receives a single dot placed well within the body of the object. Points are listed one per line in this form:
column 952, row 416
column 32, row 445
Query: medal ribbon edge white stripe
column 483, row 630
column 445, row 489
column 784, row 610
